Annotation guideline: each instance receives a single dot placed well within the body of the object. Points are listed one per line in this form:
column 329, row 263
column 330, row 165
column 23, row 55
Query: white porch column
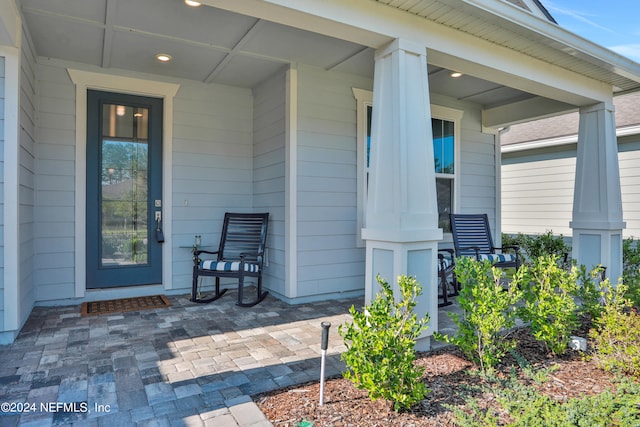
column 401, row 230
column 597, row 202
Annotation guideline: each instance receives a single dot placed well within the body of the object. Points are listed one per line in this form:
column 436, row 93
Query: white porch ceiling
column 209, row 45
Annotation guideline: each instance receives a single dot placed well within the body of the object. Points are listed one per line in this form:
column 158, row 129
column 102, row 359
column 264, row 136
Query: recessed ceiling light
column 164, row 57
column 455, row 74
column 192, row 3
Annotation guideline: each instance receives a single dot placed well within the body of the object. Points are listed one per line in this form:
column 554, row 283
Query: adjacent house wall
column 629, row 158
column 537, row 188
column 269, row 119
column 538, row 170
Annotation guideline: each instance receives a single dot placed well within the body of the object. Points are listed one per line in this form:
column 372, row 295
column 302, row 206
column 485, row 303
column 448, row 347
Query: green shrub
column 588, row 292
column 616, row 335
column 488, row 310
column 536, row 246
column 380, row 346
column 527, row 407
column 549, row 303
column 631, row 269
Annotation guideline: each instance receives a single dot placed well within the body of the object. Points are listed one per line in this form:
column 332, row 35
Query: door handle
column 159, row 232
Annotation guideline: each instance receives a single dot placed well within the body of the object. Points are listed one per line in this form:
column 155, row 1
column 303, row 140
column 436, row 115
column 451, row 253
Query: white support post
column 402, row 231
column 597, row 202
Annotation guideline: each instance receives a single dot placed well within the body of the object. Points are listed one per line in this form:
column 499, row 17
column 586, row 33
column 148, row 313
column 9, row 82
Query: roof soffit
column 506, row 24
column 498, row 22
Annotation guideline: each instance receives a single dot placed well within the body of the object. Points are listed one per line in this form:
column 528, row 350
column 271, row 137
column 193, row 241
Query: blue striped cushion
column 443, row 264
column 227, row 266
column 498, row 257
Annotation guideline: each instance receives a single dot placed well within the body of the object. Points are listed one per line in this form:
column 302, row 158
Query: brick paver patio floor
column 190, row 364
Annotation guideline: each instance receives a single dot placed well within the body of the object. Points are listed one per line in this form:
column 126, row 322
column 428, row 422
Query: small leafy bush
column 380, row 346
column 631, row 269
column 549, row 303
column 588, row 293
column 488, row 311
column 616, row 335
column 528, row 407
column 540, row 245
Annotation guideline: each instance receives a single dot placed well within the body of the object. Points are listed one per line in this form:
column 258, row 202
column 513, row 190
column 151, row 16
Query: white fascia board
column 543, row 143
column 579, row 46
column 563, row 140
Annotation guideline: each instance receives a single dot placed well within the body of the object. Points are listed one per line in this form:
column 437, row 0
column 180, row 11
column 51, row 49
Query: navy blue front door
column 124, row 190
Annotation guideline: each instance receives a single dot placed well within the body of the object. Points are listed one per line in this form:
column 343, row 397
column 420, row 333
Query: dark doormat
column 124, row 304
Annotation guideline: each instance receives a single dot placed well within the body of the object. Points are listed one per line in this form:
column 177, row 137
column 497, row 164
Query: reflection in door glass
column 125, row 166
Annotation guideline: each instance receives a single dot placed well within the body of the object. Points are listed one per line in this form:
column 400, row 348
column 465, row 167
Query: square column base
column 591, row 247
column 416, row 259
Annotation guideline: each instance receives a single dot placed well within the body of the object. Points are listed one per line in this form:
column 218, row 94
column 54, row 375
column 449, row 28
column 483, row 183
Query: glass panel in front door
column 124, row 182
column 124, row 196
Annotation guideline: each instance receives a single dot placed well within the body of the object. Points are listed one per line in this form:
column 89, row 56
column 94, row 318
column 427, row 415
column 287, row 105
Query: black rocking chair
column 447, row 276
column 240, row 255
column 472, row 237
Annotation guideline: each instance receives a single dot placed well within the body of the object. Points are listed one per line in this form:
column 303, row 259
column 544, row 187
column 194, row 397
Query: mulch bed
column 448, row 375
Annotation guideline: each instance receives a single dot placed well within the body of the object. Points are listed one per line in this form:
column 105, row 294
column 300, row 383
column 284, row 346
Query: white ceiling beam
column 300, row 18
column 107, row 42
column 10, row 24
column 523, row 111
column 234, row 51
column 347, row 58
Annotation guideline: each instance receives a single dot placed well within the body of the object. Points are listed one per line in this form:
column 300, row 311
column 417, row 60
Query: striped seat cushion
column 443, row 264
column 227, row 266
column 498, row 257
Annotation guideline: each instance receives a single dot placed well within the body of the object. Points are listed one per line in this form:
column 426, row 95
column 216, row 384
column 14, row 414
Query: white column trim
column 402, row 231
column 291, row 184
column 364, row 98
column 11, row 207
column 90, row 80
column 597, row 217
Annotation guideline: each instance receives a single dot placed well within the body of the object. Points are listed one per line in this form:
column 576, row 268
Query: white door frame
column 90, row 80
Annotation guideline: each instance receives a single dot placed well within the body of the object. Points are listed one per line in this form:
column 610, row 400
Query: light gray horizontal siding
column 629, row 157
column 55, row 185
column 328, row 260
column 537, row 192
column 212, row 166
column 26, row 180
column 537, row 189
column 477, row 169
column 269, row 113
